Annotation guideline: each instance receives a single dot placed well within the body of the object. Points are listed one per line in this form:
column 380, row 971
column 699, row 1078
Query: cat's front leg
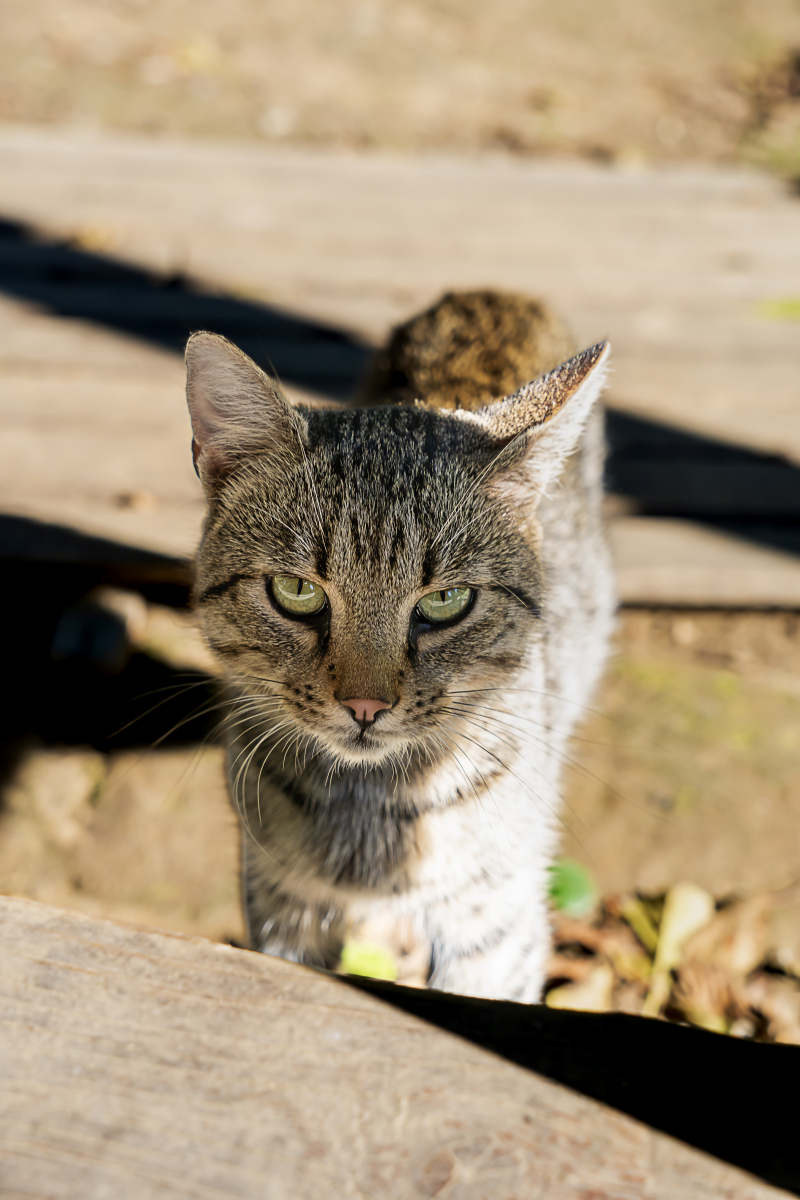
column 280, row 924
column 487, row 950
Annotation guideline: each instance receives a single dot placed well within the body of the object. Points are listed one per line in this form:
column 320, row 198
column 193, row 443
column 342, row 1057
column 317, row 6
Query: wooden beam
column 685, row 271
column 141, row 1064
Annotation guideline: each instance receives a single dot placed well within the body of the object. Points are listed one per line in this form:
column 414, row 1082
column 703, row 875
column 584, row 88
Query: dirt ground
column 631, row 81
column 689, row 766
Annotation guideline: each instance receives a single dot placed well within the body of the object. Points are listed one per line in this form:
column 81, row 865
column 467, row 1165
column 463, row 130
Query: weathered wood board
column 139, row 1064
column 678, row 267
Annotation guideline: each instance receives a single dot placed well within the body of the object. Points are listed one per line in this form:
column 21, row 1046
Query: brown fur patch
column 468, row 349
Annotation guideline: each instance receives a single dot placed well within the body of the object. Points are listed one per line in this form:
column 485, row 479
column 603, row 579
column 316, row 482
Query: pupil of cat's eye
column 298, row 596
column 445, row 604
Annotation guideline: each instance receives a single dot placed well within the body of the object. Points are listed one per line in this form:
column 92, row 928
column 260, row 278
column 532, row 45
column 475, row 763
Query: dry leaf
column 593, row 994
column 687, row 909
column 629, row 998
column 562, row 966
column 610, row 938
column 635, row 912
column 736, row 939
column 778, row 999
column 702, row 960
column 705, row 995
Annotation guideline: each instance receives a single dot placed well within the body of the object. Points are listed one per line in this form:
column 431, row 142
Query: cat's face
column 362, row 572
column 377, row 567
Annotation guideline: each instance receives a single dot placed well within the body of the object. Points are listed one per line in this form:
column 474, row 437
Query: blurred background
column 301, row 177
column 629, row 81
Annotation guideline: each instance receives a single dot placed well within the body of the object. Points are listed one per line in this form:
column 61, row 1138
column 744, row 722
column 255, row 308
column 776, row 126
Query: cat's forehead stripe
column 387, row 478
column 391, row 493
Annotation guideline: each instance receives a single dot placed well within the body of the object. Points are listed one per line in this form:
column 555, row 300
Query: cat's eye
column 445, row 605
column 298, row 596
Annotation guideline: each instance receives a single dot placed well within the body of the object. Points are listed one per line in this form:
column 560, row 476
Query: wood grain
column 142, row 1064
column 679, row 268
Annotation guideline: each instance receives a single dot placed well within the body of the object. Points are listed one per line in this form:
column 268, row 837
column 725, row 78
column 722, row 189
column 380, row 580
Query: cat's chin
column 365, row 752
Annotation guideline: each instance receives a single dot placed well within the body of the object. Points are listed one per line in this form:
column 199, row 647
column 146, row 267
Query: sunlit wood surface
column 690, row 272
column 140, row 1064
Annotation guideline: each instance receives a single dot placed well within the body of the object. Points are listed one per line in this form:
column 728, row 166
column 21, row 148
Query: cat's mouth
column 371, row 745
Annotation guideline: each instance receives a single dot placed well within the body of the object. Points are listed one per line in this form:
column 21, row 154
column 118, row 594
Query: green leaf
column 365, row 958
column 572, row 889
column 785, row 309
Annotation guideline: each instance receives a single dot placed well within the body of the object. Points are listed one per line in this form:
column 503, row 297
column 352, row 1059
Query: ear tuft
column 540, row 425
column 237, row 410
column 540, row 401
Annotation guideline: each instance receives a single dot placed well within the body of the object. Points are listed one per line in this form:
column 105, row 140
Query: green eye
column 298, row 596
column 446, row 604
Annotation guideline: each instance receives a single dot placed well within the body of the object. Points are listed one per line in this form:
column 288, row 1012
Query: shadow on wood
column 731, row 1098
column 658, row 469
column 78, row 694
column 164, row 310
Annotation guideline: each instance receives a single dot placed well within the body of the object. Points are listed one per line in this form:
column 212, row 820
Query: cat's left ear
column 237, row 411
column 540, row 425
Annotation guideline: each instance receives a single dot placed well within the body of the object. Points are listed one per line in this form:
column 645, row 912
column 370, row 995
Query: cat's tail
column 468, row 349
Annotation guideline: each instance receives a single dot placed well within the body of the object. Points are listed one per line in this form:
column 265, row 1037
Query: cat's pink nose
column 364, row 710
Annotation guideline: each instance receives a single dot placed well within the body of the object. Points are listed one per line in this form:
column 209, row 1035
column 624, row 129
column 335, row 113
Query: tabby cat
column 410, row 599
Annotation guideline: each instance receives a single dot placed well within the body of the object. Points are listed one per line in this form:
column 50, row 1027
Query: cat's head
column 361, row 569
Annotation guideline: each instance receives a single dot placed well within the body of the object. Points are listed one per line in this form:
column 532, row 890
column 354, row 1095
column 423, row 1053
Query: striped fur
column 441, row 816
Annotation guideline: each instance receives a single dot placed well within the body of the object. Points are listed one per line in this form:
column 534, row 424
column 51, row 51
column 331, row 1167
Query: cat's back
column 472, row 348
column 467, row 350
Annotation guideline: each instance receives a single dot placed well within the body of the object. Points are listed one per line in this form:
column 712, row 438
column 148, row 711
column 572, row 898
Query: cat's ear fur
column 236, row 410
column 540, row 425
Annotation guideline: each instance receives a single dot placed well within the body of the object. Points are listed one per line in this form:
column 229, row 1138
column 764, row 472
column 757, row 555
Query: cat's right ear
column 541, row 424
column 237, row 411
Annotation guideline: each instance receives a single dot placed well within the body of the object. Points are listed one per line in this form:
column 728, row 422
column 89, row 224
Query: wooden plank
column 721, row 1094
column 141, row 1064
column 672, row 264
column 673, row 562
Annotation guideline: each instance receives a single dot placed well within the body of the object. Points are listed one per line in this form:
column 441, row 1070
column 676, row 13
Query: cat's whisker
column 195, row 715
column 559, row 800
column 566, row 760
column 586, row 708
column 299, row 537
column 533, row 766
column 480, row 516
column 178, row 690
column 258, row 782
column 511, row 771
column 471, row 784
column 258, row 790
column 242, row 807
column 253, row 705
column 312, row 485
column 513, row 595
column 246, row 716
column 528, row 737
column 288, row 741
column 298, row 743
column 260, row 736
column 265, row 679
column 492, row 721
column 517, row 716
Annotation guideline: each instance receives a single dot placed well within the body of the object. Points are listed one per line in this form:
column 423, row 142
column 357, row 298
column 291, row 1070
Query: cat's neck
column 316, row 782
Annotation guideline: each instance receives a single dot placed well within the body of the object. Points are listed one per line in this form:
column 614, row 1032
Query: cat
column 411, row 601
